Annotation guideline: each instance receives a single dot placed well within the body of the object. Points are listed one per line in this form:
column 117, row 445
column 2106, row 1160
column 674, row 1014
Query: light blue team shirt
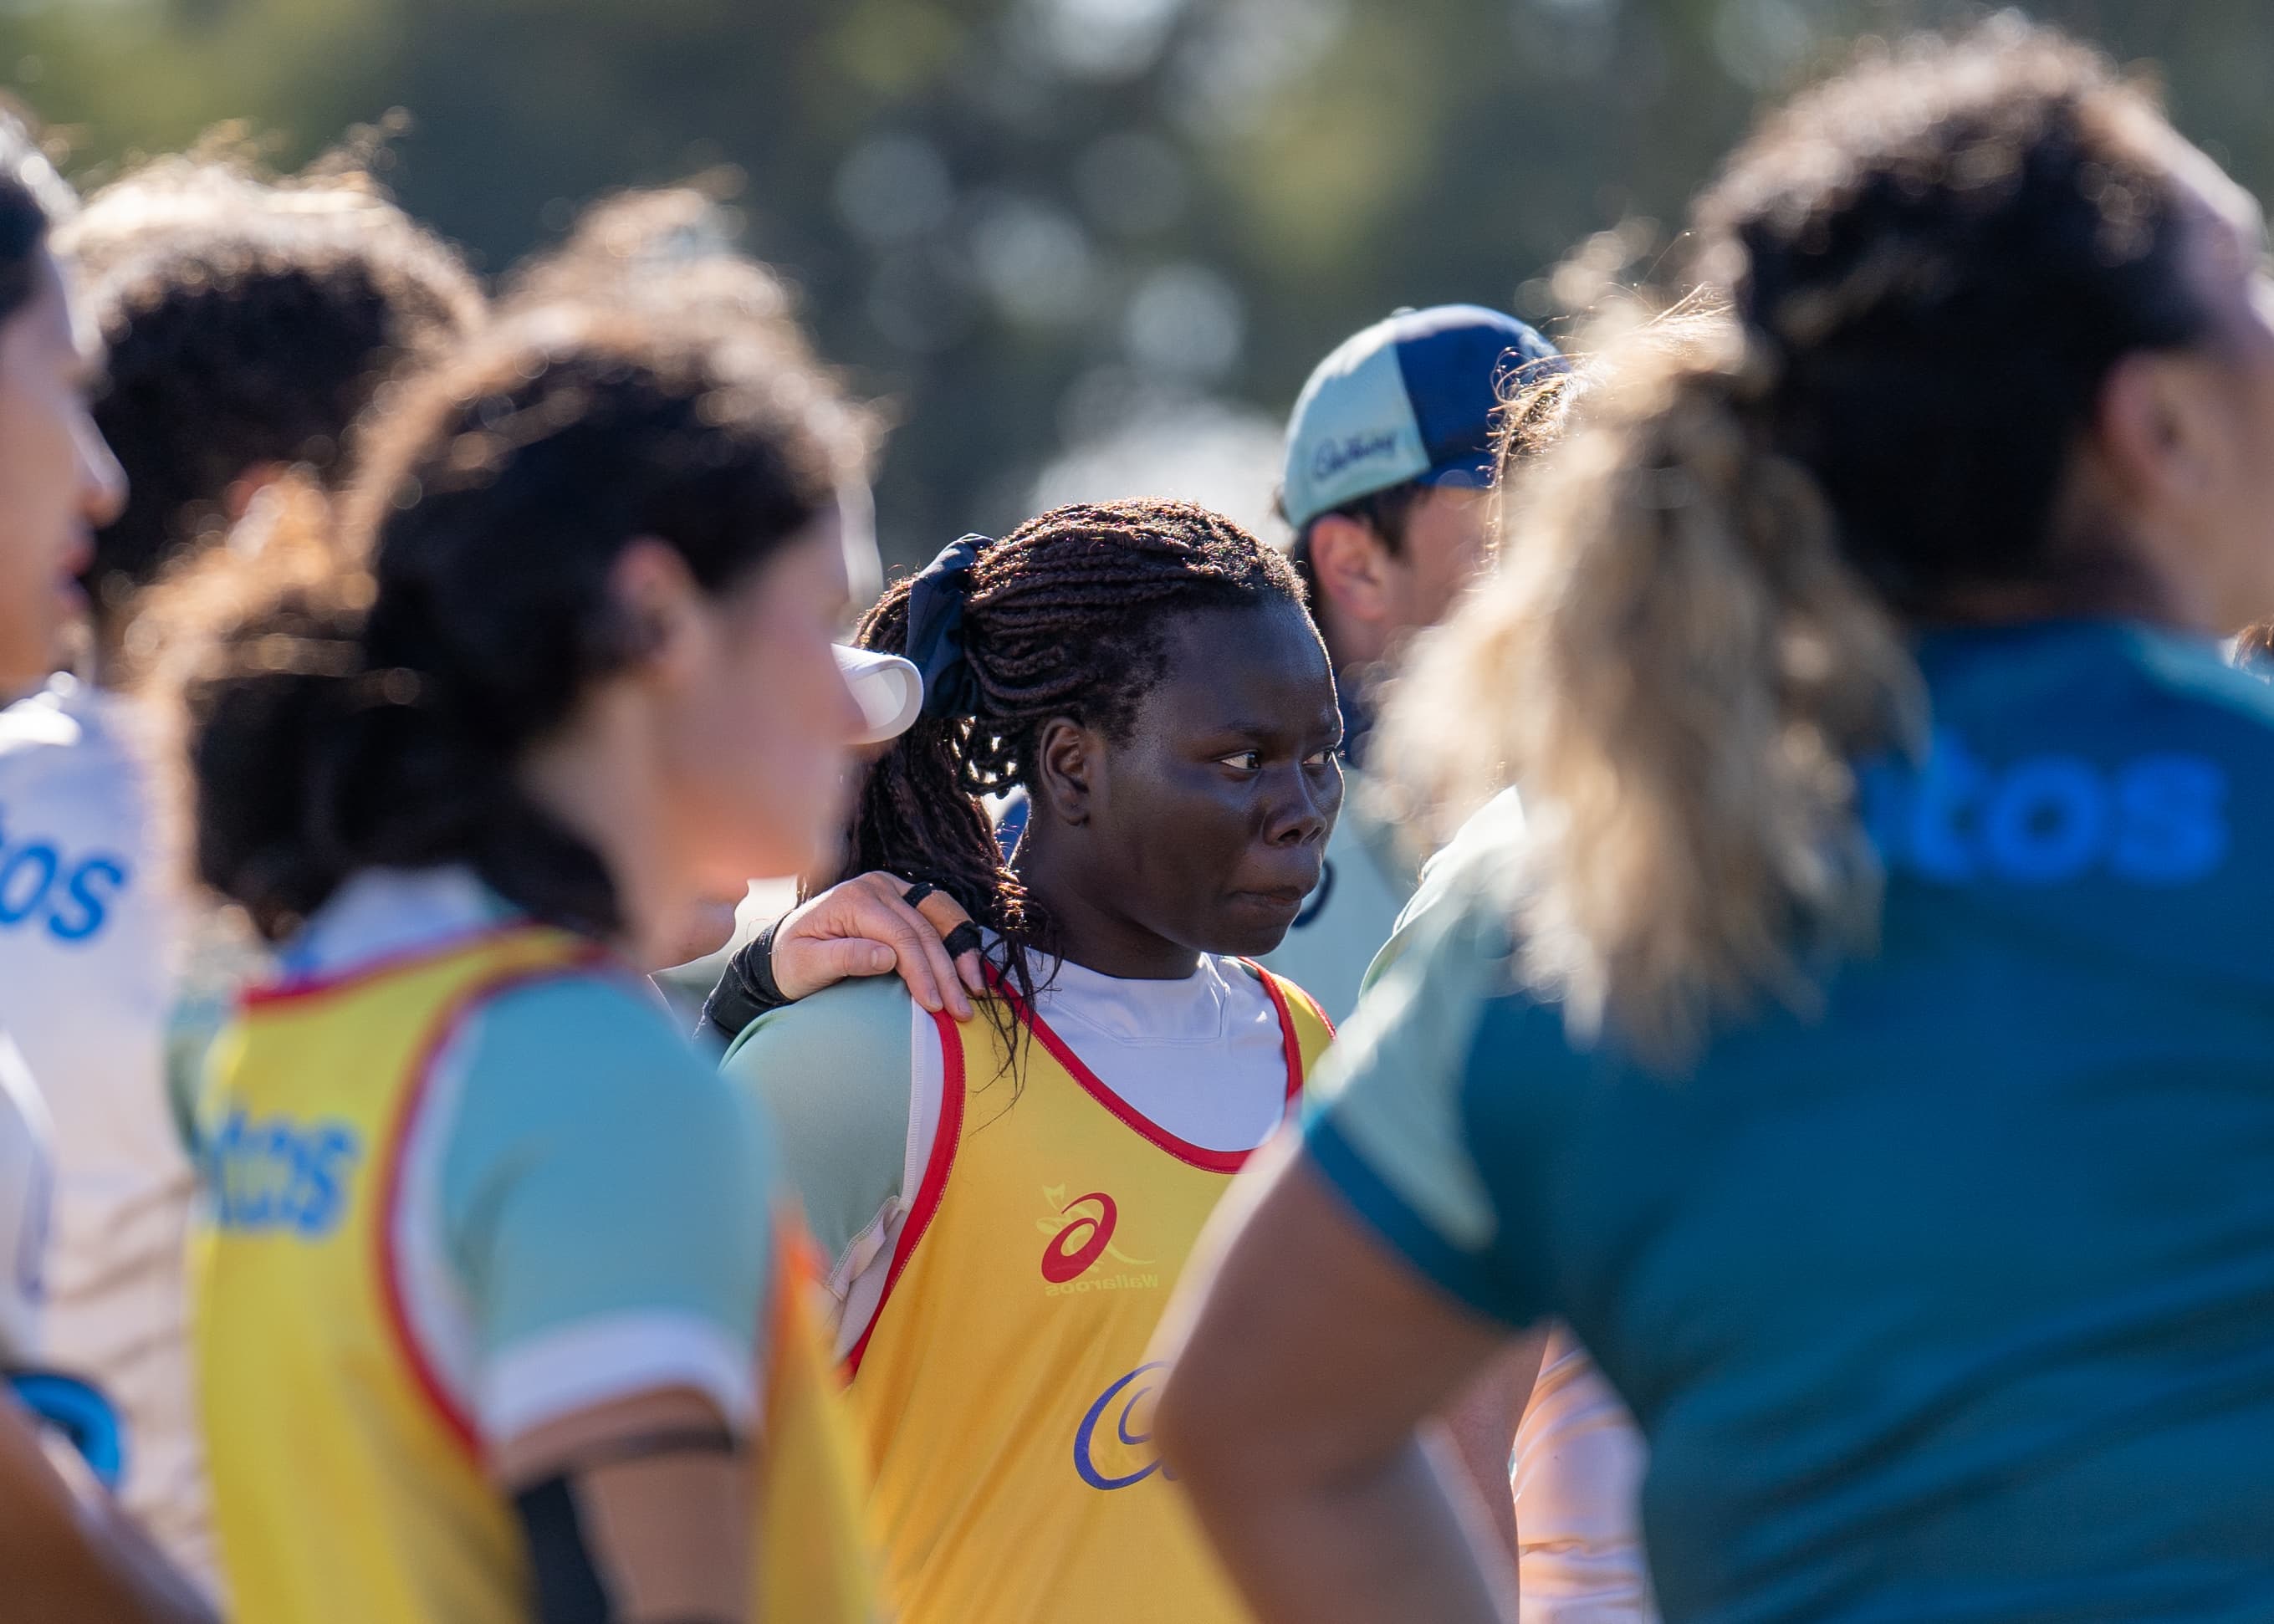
column 1957, row 1301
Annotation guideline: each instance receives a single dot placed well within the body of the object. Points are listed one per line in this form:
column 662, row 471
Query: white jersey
column 86, row 943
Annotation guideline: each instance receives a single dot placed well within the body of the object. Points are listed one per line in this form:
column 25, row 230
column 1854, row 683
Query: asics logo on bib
column 2156, row 819
column 1113, row 1446
column 279, row 1174
column 43, row 887
column 1081, row 1232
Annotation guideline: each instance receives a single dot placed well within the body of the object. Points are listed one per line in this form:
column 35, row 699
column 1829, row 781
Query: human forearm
column 1307, row 1360
column 1381, row 1546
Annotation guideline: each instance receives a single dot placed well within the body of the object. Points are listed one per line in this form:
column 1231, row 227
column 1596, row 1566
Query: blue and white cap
column 1410, row 398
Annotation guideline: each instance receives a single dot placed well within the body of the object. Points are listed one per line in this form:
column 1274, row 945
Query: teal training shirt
column 1955, row 1302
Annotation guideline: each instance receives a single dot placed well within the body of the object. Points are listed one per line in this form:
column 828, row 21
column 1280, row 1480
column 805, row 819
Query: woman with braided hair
column 1004, row 1201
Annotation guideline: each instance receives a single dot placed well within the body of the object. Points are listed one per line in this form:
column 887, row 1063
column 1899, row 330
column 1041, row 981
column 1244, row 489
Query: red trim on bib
column 290, row 989
column 447, row 1027
column 1280, row 986
column 1184, row 1150
column 1292, row 1039
column 942, row 1161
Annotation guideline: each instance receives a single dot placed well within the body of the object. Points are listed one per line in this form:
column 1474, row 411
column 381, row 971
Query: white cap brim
column 888, row 689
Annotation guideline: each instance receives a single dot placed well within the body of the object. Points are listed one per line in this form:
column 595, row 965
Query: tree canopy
column 1043, row 229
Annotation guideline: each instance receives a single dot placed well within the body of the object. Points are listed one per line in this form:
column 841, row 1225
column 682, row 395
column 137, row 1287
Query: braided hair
column 1067, row 616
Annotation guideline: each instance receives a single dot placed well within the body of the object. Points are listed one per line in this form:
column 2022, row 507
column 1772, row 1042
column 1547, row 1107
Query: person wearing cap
column 1574, row 1471
column 1387, row 485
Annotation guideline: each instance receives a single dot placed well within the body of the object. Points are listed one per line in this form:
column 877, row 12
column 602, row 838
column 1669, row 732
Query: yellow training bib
column 348, row 1487
column 1002, row 1391
column 814, row 1559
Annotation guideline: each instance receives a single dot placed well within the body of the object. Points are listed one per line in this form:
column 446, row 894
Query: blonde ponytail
column 1676, row 668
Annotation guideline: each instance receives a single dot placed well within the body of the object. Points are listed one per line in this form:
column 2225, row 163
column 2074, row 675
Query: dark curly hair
column 1940, row 256
column 360, row 698
column 1067, row 616
column 247, row 322
column 1929, row 267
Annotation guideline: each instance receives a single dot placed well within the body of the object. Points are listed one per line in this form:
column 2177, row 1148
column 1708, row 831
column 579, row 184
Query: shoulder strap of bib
column 1308, row 1030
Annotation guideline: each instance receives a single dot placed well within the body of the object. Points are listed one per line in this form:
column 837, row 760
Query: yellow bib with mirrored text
column 349, row 1488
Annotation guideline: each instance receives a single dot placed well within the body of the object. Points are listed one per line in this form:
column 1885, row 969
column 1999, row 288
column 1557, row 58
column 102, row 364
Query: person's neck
column 1088, row 931
column 585, row 779
column 2115, row 595
column 2095, row 569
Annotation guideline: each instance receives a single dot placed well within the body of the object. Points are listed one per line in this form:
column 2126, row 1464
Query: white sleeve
column 1577, row 1479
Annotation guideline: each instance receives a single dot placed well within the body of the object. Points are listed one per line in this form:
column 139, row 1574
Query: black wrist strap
column 748, row 989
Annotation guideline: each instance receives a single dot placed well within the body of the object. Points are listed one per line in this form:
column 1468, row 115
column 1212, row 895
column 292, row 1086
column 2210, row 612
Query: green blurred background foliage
column 1078, row 245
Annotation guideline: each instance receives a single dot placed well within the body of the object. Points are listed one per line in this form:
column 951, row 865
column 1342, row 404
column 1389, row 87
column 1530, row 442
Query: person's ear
column 659, row 608
column 1352, row 567
column 2152, row 433
column 1068, row 759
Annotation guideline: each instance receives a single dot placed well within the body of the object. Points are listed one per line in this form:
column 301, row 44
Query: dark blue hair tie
column 936, row 599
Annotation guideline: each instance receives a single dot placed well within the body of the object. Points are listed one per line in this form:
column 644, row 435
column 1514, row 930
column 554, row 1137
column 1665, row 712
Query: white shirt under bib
column 1202, row 1057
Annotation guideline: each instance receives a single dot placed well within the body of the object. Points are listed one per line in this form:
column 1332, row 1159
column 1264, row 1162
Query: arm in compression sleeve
column 834, row 1073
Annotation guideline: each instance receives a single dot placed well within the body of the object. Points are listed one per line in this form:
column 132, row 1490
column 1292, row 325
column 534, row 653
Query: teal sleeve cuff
column 1465, row 1276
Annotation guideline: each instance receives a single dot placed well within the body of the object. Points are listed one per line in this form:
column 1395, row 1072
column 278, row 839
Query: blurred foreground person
column 66, row 1553
column 498, row 1290
column 1895, row 1125
column 243, row 324
column 1005, row 1201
